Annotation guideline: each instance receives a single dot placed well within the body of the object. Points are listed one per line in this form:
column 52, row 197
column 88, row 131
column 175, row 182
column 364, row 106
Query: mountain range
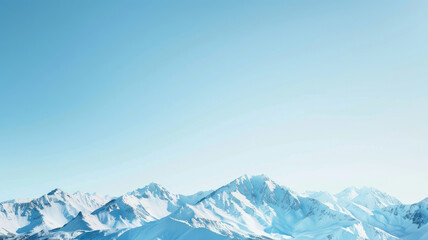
column 250, row 207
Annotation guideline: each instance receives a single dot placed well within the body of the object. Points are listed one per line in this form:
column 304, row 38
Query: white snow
column 250, row 207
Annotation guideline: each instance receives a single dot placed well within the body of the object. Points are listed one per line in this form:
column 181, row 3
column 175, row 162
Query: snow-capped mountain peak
column 368, row 197
column 250, row 186
column 56, row 191
column 348, row 193
column 259, row 189
column 154, row 190
column 257, row 206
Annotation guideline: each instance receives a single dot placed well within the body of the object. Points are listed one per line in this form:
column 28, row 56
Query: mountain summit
column 249, row 207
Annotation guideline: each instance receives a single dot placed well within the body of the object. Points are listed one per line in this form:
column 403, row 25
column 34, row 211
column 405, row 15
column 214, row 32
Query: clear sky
column 106, row 96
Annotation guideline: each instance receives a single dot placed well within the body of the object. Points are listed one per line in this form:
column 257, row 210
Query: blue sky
column 108, row 96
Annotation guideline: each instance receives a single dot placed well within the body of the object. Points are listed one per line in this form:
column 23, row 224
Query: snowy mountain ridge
column 47, row 212
column 249, row 207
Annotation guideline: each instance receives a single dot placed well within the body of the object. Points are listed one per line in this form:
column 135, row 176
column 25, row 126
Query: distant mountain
column 249, row 207
column 379, row 210
column 327, row 199
column 50, row 211
column 356, row 202
column 367, row 197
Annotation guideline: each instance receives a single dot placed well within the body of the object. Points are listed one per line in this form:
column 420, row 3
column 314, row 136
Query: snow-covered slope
column 247, row 208
column 367, row 197
column 134, row 209
column 256, row 208
column 380, row 210
column 194, row 198
column 359, row 203
column 407, row 221
column 327, row 199
column 138, row 207
column 50, row 211
column 168, row 229
column 83, row 222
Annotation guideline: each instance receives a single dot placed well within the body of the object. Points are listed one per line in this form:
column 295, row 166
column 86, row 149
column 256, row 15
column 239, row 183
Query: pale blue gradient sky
column 108, row 96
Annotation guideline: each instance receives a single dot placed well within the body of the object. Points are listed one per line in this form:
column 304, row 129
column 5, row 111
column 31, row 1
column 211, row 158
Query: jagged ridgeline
column 247, row 208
